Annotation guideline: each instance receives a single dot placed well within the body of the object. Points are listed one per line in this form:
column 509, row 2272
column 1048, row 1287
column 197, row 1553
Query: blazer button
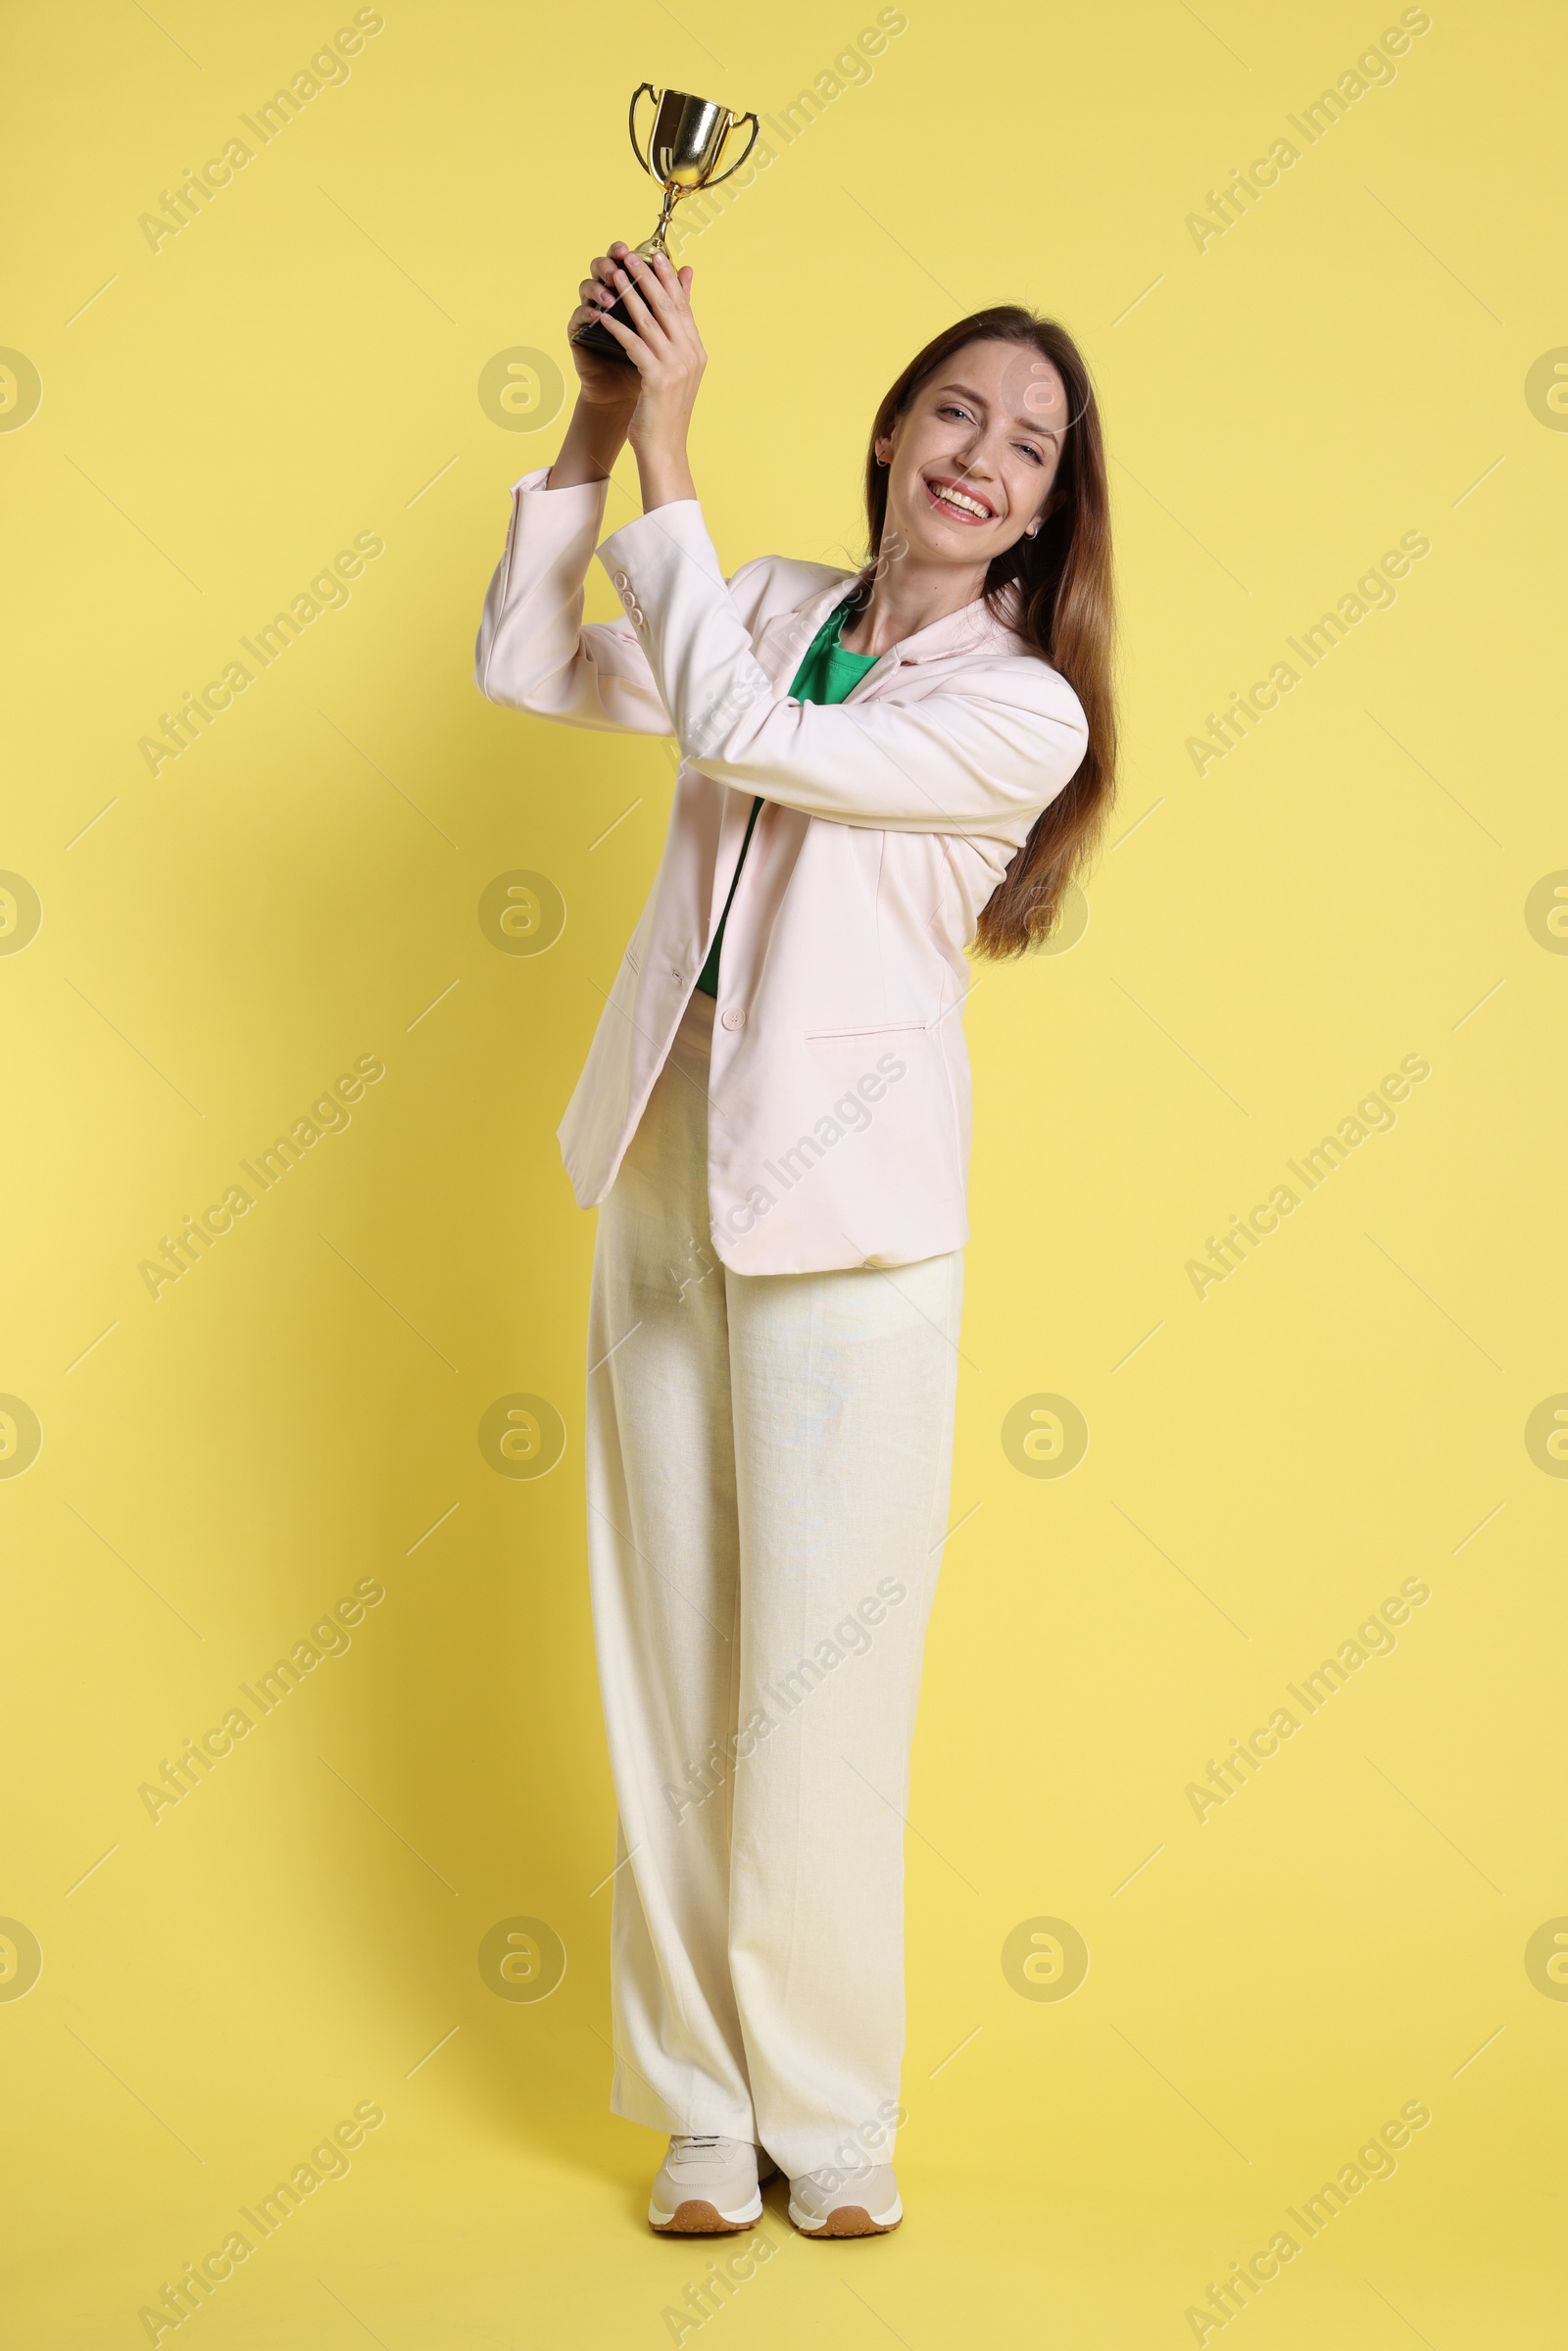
column 732, row 1017
column 622, row 581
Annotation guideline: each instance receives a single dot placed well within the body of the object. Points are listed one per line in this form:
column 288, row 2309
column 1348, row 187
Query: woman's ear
column 1054, row 500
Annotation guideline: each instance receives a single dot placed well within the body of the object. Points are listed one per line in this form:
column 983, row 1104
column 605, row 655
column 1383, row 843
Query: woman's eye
column 1030, row 450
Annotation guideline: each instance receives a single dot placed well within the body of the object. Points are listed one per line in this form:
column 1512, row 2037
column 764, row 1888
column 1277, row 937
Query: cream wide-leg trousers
column 769, row 1461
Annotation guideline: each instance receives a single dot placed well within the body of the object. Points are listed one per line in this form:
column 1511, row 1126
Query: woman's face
column 972, row 460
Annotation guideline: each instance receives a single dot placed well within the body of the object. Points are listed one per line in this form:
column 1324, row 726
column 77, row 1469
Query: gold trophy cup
column 685, row 141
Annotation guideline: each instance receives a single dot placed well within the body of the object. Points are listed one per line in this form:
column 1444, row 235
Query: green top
column 827, row 674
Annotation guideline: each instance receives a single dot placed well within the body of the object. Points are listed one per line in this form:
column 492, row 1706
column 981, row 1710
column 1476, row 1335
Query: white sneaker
column 706, row 2186
column 859, row 2203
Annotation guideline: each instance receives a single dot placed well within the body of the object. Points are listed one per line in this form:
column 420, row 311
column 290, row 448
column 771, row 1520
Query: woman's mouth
column 959, row 504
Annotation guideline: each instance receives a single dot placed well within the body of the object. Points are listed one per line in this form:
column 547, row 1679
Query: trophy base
column 596, row 339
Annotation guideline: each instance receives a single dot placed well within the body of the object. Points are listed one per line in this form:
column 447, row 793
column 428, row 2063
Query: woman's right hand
column 605, row 382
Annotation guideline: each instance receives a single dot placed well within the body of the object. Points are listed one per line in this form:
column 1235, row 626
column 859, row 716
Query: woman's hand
column 668, row 354
column 608, row 389
column 648, row 401
column 603, row 382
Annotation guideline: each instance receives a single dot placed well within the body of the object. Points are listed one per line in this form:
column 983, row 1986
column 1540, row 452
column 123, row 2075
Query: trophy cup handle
column 741, row 158
column 631, row 125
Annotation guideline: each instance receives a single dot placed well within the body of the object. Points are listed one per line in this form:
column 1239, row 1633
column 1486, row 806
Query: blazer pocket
column 890, row 1028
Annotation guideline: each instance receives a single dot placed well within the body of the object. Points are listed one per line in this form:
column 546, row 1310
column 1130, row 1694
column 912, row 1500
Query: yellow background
column 220, row 1988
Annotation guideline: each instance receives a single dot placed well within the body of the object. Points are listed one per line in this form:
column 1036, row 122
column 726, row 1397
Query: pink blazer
column 839, row 1087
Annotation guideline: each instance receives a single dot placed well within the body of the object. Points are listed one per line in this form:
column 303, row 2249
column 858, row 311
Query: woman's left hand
column 667, row 352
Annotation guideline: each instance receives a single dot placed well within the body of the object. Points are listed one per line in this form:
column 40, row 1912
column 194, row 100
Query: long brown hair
column 1065, row 613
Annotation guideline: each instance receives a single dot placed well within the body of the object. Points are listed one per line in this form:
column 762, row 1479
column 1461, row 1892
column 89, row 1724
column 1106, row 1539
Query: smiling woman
column 994, row 422
column 878, row 771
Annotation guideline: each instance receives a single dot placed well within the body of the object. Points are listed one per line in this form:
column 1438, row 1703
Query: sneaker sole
column 850, row 2220
column 698, row 2217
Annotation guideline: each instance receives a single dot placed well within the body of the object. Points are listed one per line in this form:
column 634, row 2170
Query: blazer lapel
column 779, row 646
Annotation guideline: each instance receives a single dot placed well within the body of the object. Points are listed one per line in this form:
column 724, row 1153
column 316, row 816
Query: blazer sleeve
column 981, row 753
column 533, row 652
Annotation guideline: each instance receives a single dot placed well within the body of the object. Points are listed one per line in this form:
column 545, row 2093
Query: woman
column 876, row 771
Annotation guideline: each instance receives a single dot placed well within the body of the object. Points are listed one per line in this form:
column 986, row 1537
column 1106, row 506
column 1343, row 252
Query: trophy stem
column 655, row 243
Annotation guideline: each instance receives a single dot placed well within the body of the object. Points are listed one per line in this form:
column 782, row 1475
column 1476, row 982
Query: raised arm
column 982, row 753
column 533, row 652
